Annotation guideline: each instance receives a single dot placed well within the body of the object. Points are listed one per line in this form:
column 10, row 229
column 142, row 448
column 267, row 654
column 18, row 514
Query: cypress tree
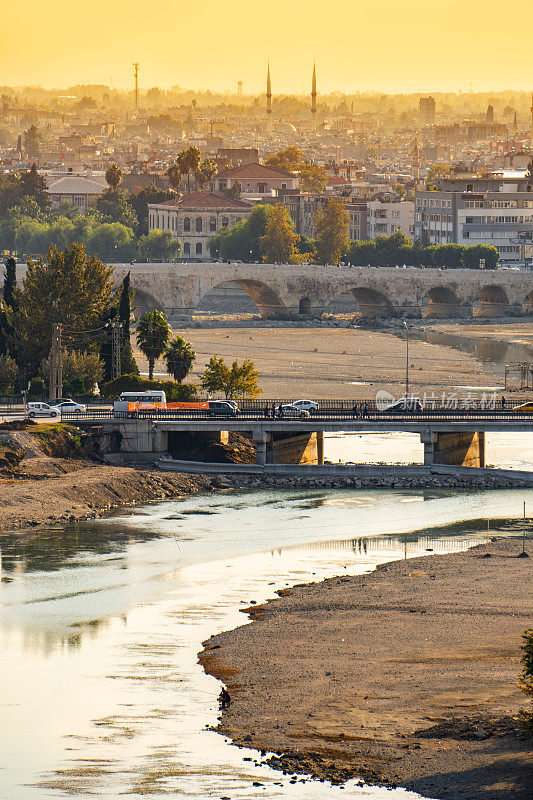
column 128, row 365
column 10, row 282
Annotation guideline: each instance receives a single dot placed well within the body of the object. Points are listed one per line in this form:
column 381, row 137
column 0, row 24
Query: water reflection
column 99, row 648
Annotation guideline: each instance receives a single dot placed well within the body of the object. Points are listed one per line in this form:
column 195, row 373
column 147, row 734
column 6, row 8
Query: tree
column 113, row 207
column 153, row 332
column 174, row 174
column 10, row 283
column 124, row 305
column 8, row 374
column 278, row 244
column 234, row 382
column 179, row 357
column 331, row 231
column 288, row 160
column 242, row 241
column 158, row 246
column 69, row 287
column 111, row 241
column 188, row 161
column 113, row 176
column 32, row 141
column 206, row 172
column 312, row 178
column 150, row 194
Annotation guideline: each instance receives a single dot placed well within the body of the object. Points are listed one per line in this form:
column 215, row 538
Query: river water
column 101, row 623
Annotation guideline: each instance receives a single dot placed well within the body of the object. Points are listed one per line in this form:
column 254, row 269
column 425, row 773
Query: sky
column 359, row 45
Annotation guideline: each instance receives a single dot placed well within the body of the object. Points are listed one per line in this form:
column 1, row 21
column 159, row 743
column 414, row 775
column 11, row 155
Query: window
column 186, row 224
column 213, row 224
column 198, row 248
column 186, row 249
column 262, row 188
column 198, row 224
column 225, row 222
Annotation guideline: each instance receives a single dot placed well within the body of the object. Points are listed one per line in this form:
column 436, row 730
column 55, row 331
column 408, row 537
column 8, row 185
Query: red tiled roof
column 205, row 200
column 254, row 171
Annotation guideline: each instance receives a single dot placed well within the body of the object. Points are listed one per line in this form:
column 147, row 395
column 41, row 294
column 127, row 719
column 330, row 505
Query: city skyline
column 353, row 51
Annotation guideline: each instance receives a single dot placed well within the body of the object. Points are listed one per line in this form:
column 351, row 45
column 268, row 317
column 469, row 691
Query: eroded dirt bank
column 405, row 676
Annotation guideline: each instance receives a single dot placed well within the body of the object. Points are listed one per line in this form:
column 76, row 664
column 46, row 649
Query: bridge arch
column 304, row 306
column 144, row 301
column 527, row 306
column 443, row 302
column 492, row 301
column 256, row 296
column 371, row 302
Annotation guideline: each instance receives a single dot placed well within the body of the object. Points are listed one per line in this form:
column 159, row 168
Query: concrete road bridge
column 448, row 439
column 284, row 291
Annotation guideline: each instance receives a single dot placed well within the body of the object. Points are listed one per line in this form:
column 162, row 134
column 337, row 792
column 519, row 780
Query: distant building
column 495, row 211
column 426, row 110
column 74, row 189
column 385, row 219
column 238, row 155
column 256, row 180
column 303, row 208
column 195, row 217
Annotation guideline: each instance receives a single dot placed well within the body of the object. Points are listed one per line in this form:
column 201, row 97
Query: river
column 101, row 623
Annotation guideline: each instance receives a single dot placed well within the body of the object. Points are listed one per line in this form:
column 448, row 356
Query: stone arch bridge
column 284, row 291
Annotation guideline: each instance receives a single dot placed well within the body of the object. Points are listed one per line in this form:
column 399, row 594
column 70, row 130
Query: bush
column 526, row 680
column 8, row 374
column 177, row 392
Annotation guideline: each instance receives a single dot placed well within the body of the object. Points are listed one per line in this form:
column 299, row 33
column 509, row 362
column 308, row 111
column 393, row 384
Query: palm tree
column 153, row 332
column 179, row 357
column 174, row 175
column 189, row 161
column 113, row 176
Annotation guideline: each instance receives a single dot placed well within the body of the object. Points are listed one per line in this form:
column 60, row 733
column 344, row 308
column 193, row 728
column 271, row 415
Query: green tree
column 34, row 185
column 312, row 178
column 10, row 283
column 278, row 244
column 32, row 141
column 113, row 207
column 188, row 161
column 8, row 374
column 111, row 241
column 331, row 231
column 113, row 176
column 288, row 160
column 128, row 365
column 158, row 246
column 174, row 174
column 234, row 381
column 153, row 333
column 179, row 357
column 69, row 287
column 139, row 202
column 206, row 172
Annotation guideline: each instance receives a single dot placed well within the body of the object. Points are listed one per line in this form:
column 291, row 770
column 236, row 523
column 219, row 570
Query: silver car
column 291, row 411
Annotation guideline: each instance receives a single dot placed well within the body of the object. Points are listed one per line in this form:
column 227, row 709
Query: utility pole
column 406, row 359
column 136, row 74
column 56, row 366
column 115, row 350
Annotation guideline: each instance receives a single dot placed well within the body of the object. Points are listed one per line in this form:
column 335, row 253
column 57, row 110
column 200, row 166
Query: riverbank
column 405, row 676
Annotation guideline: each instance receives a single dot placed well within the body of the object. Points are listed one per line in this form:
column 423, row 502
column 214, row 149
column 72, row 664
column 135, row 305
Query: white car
column 306, row 405
column 291, row 411
column 43, row 410
column 70, row 406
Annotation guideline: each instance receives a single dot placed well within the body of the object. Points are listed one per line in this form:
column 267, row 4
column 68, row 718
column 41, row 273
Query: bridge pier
column 462, row 449
column 289, row 448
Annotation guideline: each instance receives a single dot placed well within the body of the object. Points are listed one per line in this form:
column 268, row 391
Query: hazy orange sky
column 359, row 45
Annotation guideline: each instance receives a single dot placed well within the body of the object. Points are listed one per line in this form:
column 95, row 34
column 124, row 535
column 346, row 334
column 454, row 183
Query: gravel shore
column 405, row 676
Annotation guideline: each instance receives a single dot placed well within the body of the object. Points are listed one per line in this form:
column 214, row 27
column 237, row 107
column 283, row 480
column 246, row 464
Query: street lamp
column 406, row 359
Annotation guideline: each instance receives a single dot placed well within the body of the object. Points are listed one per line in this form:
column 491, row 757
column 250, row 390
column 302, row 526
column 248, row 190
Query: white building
column 257, row 180
column 383, row 219
column 195, row 217
column 75, row 189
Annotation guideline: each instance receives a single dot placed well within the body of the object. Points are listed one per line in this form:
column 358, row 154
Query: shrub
column 135, row 383
column 37, row 388
column 526, row 679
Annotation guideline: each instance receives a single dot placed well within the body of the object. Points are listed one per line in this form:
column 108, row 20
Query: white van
column 131, row 402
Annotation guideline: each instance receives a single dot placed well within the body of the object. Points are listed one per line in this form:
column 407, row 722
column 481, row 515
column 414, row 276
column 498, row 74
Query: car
column 405, row 404
column 42, row 410
column 223, row 408
column 291, row 411
column 71, row 407
column 306, row 405
column 524, row 408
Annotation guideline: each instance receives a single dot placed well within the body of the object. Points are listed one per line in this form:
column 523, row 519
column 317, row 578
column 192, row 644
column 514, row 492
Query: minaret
column 313, row 96
column 269, row 97
column 515, row 125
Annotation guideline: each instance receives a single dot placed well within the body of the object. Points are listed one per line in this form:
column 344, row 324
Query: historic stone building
column 195, row 217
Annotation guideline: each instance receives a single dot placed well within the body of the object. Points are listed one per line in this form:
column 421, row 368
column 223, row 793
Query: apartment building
column 386, row 218
column 495, row 211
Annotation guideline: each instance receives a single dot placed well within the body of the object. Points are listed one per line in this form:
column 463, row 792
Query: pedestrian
column 224, row 698
column 365, row 411
column 280, row 411
column 266, row 411
column 355, row 411
column 503, row 402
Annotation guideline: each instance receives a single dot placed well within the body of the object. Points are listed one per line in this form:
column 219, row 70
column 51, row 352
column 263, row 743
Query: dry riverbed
column 405, row 676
